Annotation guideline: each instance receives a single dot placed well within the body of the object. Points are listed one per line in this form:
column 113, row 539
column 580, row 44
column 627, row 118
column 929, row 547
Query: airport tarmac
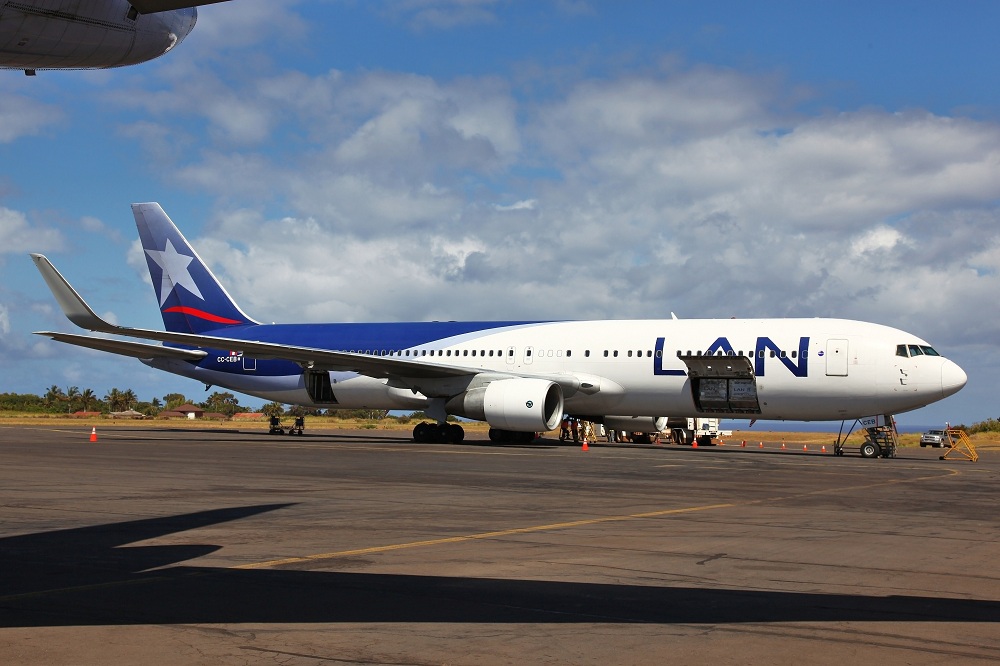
column 182, row 546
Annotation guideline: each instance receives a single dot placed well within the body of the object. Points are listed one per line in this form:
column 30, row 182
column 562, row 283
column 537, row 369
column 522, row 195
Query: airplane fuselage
column 803, row 369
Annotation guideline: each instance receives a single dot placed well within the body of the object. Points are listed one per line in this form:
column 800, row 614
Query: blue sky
column 448, row 159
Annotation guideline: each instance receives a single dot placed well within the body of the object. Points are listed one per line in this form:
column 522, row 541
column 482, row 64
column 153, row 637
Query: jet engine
column 519, row 405
column 636, row 423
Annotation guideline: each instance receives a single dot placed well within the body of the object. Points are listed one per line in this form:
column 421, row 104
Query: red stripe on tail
column 200, row 314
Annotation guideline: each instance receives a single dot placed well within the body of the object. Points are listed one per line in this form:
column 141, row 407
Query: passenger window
column 630, row 353
column 782, row 354
column 605, row 353
column 616, row 353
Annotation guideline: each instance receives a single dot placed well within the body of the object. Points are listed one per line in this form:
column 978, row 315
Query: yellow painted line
column 574, row 523
column 481, row 535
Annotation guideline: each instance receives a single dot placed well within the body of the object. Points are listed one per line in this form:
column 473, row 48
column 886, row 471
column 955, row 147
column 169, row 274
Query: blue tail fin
column 191, row 298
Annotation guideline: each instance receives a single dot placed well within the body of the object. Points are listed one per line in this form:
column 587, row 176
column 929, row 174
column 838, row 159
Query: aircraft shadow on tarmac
column 90, row 576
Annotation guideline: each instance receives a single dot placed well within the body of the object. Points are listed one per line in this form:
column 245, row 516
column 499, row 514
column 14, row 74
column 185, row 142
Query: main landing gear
column 438, row 433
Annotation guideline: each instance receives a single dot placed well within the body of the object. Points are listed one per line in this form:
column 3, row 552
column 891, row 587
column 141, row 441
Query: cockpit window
column 929, row 351
column 901, row 351
column 916, row 351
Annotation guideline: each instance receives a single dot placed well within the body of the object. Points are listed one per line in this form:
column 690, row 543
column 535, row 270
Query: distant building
column 187, row 411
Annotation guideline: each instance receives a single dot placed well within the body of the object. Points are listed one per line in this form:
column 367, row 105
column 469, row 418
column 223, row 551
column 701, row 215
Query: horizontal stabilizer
column 126, row 348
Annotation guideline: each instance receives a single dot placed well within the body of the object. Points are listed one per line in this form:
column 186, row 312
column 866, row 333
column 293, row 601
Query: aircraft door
column 836, row 358
column 511, row 355
column 249, row 364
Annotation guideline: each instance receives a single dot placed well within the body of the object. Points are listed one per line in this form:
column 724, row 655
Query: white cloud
column 681, row 190
column 18, row 236
column 444, row 14
column 24, row 116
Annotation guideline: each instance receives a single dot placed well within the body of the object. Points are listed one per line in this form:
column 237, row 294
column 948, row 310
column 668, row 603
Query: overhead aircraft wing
column 125, row 348
column 153, row 6
column 383, row 367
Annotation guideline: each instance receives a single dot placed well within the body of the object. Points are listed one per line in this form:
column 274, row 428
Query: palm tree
column 72, row 395
column 114, row 400
column 54, row 395
column 129, row 398
column 87, row 397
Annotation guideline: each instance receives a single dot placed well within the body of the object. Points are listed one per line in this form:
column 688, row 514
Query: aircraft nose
column 953, row 378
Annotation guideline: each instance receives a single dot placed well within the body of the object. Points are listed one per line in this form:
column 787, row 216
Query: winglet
column 73, row 306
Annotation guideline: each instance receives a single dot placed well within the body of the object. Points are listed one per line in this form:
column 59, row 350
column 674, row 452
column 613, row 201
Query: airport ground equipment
column 690, row 430
column 960, row 445
column 296, row 429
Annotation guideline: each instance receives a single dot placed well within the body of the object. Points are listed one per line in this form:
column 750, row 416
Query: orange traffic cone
column 584, row 447
column 694, row 444
column 805, row 448
column 93, row 434
column 744, row 444
column 760, row 445
column 782, row 445
column 823, row 450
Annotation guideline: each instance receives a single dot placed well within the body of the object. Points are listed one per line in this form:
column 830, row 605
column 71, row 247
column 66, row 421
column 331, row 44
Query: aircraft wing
column 81, row 314
column 153, row 6
column 125, row 348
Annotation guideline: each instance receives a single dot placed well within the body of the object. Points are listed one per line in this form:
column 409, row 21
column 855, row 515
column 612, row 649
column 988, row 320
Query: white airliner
column 91, row 34
column 522, row 376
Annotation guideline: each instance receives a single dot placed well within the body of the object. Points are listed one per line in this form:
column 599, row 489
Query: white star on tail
column 175, row 271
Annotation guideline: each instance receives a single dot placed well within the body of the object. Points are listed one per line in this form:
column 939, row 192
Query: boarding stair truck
column 690, row 430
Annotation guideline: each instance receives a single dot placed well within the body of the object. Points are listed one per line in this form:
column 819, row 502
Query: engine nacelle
column 521, row 405
column 636, row 423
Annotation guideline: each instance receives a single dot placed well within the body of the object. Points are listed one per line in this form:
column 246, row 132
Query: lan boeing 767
column 520, row 377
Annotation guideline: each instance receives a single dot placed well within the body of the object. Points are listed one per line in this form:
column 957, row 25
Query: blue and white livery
column 519, row 376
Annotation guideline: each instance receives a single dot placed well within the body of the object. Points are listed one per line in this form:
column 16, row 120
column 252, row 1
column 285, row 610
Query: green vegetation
column 989, row 425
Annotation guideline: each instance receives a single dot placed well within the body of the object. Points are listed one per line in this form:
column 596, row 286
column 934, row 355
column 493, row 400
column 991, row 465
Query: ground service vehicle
column 935, row 438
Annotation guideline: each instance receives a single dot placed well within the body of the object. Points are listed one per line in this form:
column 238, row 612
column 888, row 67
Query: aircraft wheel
column 421, row 433
column 869, row 450
column 456, row 433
